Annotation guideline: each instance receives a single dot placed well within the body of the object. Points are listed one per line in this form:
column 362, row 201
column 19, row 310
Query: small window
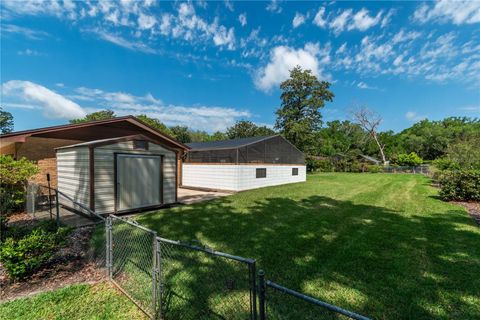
column 140, row 144
column 261, row 173
column 294, row 171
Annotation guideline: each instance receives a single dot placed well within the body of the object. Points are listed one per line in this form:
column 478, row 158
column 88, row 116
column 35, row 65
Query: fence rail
column 264, row 301
column 169, row 279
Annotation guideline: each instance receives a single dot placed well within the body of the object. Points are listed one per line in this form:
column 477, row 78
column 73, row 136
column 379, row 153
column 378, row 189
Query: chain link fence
column 170, row 279
column 200, row 283
column 131, row 261
column 173, row 280
column 277, row 302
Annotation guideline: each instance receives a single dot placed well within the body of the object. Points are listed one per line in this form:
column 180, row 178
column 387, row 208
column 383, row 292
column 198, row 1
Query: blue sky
column 208, row 64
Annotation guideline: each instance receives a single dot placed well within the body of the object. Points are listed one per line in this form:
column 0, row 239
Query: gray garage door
column 138, row 181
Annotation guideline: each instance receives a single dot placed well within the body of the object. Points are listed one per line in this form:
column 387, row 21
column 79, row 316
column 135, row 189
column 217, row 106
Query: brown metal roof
column 94, row 130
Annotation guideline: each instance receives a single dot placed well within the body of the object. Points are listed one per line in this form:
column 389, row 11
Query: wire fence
column 170, row 279
column 423, row 169
column 200, row 283
column 44, row 202
column 279, row 303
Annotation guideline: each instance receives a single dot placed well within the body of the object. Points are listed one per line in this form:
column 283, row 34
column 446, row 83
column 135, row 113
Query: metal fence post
column 253, row 289
column 261, row 294
column 108, row 246
column 154, row 274
column 57, row 208
column 158, row 260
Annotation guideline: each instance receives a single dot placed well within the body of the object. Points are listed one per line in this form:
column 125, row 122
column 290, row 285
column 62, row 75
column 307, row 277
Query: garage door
column 138, row 181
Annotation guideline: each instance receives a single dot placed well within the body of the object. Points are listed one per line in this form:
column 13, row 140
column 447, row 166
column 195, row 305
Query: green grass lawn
column 378, row 244
column 100, row 301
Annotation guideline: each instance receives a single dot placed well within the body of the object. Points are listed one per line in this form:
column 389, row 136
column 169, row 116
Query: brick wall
column 42, row 151
column 48, row 165
column 35, row 148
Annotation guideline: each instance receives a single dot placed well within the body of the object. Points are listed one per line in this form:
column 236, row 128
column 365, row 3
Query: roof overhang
column 95, row 130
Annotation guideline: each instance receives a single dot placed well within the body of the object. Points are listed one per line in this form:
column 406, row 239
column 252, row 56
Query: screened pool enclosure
column 271, row 149
column 243, row 164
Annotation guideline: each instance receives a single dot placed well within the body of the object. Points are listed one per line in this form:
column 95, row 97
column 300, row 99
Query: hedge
column 463, row 185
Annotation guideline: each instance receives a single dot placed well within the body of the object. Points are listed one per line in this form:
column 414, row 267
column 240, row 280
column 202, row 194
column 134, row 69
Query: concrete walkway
column 188, row 196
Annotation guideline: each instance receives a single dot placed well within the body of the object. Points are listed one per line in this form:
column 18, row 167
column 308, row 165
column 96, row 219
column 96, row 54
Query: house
column 89, row 161
column 243, row 164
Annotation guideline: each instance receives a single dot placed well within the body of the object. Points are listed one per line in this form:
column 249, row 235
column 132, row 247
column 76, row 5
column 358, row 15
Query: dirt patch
column 73, row 263
column 473, row 208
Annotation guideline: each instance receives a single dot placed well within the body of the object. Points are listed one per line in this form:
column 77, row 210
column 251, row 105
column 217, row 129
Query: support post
column 261, row 294
column 154, row 274
column 49, row 196
column 57, row 207
column 253, row 288
column 108, row 247
column 158, row 282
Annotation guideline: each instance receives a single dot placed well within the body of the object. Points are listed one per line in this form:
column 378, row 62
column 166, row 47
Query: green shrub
column 460, row 185
column 446, row 164
column 14, row 175
column 25, row 251
column 411, row 160
column 374, row 168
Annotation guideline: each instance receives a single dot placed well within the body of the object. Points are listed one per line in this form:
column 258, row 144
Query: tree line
column 299, row 119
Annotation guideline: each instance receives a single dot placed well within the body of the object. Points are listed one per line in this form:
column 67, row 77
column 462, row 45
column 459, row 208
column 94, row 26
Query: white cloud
column 471, row 108
column 340, row 22
column 26, row 32
column 363, row 21
column 457, row 12
column 414, row 116
column 242, row 18
column 363, row 85
column 284, row 58
column 146, row 21
column 228, row 5
column 122, row 42
column 54, row 105
column 210, row 118
column 187, row 25
column 319, row 19
column 298, row 20
column 403, row 36
column 29, row 52
column 387, row 17
column 274, row 6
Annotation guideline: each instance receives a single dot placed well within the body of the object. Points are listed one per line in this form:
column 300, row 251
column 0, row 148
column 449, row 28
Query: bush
column 13, row 183
column 374, row 168
column 460, row 185
column 319, row 164
column 446, row 164
column 411, row 160
column 26, row 250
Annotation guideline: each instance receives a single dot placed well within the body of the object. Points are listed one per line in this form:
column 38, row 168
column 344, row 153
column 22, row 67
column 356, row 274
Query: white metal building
column 243, row 164
column 118, row 175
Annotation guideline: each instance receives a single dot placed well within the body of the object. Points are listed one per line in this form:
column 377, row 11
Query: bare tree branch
column 370, row 121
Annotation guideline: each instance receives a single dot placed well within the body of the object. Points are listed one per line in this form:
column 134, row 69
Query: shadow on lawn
column 378, row 262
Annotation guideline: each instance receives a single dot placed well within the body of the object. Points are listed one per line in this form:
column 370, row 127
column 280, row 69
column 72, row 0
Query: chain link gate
column 200, row 283
column 132, row 262
column 169, row 279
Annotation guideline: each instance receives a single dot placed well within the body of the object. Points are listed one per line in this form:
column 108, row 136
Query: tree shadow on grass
column 369, row 259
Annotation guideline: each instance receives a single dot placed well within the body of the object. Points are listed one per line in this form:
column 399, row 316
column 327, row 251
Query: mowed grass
column 100, row 301
column 378, row 244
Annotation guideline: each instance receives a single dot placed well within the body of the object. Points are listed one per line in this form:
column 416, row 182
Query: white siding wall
column 104, row 171
column 238, row 177
column 73, row 175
